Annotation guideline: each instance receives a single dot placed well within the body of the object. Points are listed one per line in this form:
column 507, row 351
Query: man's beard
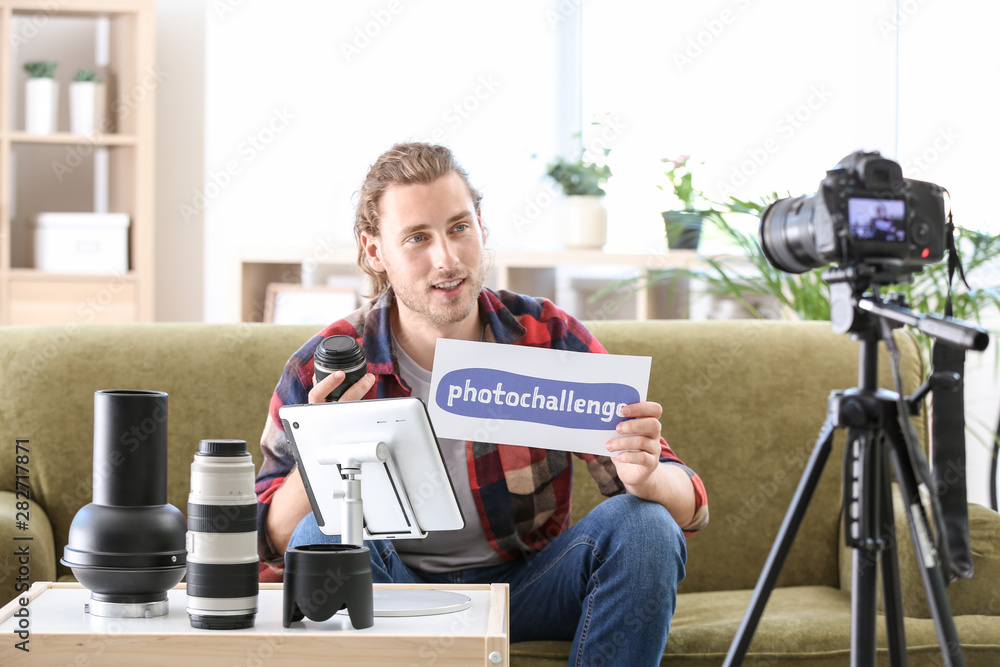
column 418, row 299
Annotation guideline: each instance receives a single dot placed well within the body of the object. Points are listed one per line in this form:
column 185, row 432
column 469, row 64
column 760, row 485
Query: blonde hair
column 403, row 164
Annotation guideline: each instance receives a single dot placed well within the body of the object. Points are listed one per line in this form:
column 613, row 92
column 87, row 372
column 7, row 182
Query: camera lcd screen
column 877, row 219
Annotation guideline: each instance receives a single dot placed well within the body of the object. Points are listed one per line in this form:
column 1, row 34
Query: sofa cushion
column 706, row 623
column 978, row 595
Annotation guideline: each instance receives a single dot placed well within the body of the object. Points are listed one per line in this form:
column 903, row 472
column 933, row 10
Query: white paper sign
column 516, row 395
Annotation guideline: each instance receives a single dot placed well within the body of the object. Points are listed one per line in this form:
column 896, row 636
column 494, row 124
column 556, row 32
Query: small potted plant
column 683, row 224
column 585, row 224
column 41, row 97
column 86, row 102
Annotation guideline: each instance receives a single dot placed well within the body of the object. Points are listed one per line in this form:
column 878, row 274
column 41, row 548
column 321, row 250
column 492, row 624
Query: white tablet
column 405, row 496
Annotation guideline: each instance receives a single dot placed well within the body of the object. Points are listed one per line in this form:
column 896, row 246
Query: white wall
column 770, row 95
column 763, row 96
column 300, row 100
column 180, row 113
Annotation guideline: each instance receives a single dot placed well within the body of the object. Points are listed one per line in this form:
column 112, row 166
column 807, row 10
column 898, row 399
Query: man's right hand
column 290, row 502
column 321, row 390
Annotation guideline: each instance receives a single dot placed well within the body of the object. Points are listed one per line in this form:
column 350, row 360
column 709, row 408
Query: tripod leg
column 931, row 570
column 861, row 523
column 889, row 565
column 782, row 543
column 869, row 518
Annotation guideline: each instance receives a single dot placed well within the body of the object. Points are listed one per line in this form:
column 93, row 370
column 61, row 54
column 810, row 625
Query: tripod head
column 854, row 311
column 867, row 316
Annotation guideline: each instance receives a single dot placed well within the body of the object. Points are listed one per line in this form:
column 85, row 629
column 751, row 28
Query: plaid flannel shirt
column 522, row 494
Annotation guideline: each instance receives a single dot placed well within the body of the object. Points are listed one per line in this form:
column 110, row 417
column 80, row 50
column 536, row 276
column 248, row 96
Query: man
column 609, row 582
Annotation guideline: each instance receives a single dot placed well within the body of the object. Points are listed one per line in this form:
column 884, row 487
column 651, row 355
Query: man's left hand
column 636, row 452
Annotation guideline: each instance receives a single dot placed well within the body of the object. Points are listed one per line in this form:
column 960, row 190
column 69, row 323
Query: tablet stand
column 349, row 459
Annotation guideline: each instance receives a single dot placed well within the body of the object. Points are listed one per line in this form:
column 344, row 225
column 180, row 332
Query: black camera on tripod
column 864, row 213
column 879, row 228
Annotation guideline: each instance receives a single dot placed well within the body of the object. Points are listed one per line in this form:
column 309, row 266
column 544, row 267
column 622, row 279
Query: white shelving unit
column 545, row 274
column 108, row 171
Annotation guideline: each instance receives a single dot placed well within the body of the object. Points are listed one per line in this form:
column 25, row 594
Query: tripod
column 873, row 419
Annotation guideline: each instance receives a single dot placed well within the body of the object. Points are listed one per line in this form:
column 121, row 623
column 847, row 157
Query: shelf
column 549, row 259
column 36, row 297
column 527, row 272
column 33, row 275
column 80, row 9
column 68, row 138
column 66, row 171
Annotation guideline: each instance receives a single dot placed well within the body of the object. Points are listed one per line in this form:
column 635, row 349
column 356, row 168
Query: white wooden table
column 60, row 632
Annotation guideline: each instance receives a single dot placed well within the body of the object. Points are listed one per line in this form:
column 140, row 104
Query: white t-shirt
column 445, row 550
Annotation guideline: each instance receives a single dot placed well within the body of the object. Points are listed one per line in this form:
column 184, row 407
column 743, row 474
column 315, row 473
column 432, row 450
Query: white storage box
column 82, row 242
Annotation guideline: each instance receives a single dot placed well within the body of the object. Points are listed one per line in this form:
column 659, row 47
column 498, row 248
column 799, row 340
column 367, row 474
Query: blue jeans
column 609, row 583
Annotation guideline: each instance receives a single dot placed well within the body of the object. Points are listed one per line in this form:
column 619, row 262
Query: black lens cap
column 339, row 351
column 213, row 447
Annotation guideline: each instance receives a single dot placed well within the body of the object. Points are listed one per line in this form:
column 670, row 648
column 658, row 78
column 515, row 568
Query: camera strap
column 948, row 438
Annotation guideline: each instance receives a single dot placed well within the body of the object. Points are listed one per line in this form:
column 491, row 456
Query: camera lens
column 788, row 236
column 222, row 568
column 343, row 353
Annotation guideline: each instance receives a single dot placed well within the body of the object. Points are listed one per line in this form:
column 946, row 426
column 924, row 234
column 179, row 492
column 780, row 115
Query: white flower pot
column 41, row 100
column 86, row 107
column 585, row 222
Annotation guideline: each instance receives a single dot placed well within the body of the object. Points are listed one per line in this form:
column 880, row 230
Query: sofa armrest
column 979, row 595
column 36, row 539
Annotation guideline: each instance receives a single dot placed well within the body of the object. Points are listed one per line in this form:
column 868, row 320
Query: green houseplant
column 750, row 276
column 747, row 277
column 585, row 221
column 86, row 75
column 579, row 177
column 683, row 224
column 806, row 295
column 86, row 102
column 41, row 97
column 40, row 69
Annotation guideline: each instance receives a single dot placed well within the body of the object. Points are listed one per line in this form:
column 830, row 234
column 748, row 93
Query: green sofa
column 743, row 402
